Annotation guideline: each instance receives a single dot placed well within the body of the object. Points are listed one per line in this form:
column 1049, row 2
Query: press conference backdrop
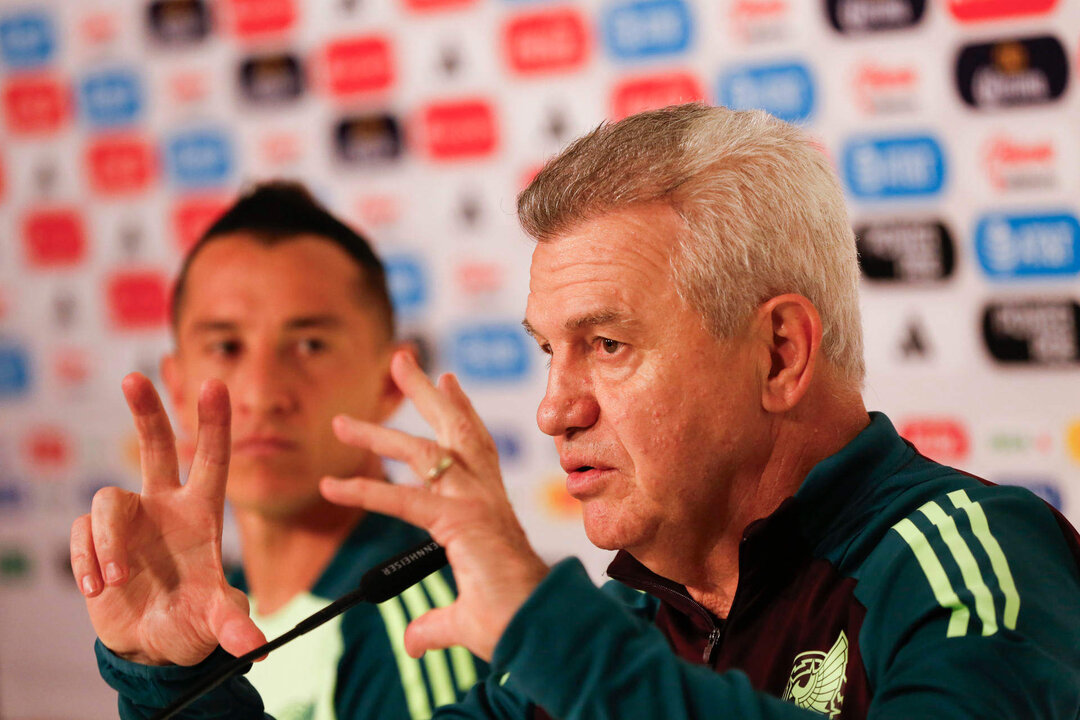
column 127, row 126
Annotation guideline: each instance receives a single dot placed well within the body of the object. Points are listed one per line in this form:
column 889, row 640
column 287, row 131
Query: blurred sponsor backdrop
column 126, row 126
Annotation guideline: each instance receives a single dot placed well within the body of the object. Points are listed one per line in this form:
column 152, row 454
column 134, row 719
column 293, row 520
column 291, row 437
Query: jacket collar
column 833, row 493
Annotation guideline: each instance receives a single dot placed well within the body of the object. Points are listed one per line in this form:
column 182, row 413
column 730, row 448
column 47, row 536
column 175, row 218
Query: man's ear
column 790, row 327
column 390, row 395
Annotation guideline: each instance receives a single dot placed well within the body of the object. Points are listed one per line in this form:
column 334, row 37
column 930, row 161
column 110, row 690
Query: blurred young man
column 288, row 307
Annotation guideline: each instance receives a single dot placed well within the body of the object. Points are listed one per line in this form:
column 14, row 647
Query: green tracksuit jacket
column 888, row 587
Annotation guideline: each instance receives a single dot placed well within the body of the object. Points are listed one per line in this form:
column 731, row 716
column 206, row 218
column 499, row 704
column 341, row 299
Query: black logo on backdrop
column 368, row 139
column 65, row 310
column 178, row 22
column 1033, row 331
column 910, row 251
column 271, row 79
column 914, row 343
column 1012, row 73
column 858, row 16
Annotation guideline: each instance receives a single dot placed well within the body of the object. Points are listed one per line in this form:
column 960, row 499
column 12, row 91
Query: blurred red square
column 54, row 238
column 137, row 299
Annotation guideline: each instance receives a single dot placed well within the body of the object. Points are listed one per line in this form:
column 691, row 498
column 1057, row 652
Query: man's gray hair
column 764, row 211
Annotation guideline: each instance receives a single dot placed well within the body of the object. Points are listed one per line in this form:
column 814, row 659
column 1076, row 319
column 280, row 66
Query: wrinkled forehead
column 620, row 261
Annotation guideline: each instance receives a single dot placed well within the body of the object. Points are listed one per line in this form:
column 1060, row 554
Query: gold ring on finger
column 439, row 469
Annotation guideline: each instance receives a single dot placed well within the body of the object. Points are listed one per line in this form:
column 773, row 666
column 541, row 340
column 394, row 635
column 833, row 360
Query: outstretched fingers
column 414, row 505
column 418, row 453
column 84, row 564
column 157, row 445
column 210, row 465
column 430, row 402
column 111, row 512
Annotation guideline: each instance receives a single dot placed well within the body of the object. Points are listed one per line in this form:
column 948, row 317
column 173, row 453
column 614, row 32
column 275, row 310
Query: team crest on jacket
column 818, row 679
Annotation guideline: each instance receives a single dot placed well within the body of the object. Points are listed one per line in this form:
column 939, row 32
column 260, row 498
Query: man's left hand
column 466, row 510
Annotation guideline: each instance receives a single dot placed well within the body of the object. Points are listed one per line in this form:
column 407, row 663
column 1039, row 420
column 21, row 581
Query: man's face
column 654, row 419
column 285, row 327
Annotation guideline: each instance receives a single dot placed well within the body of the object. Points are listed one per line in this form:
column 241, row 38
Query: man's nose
column 261, row 384
column 569, row 403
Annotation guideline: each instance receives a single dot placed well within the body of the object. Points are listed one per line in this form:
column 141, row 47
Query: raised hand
column 149, row 563
column 466, row 510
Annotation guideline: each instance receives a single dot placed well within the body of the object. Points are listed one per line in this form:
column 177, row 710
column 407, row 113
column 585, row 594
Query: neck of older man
column 826, row 420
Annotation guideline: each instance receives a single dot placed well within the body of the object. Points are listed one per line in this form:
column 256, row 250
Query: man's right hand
column 149, row 563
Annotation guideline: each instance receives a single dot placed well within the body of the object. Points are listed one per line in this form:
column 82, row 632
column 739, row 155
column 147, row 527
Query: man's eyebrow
column 205, row 326
column 308, row 322
column 593, row 319
column 303, row 322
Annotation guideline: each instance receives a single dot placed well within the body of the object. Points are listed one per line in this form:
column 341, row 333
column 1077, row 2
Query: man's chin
column 601, row 527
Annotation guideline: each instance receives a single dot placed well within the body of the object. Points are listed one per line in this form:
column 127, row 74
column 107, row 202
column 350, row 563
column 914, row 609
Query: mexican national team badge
column 818, row 678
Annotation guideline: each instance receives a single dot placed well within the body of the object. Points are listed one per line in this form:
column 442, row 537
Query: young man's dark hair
column 280, row 210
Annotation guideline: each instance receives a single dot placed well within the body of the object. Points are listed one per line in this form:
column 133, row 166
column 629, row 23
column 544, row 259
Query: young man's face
column 285, row 327
column 655, row 420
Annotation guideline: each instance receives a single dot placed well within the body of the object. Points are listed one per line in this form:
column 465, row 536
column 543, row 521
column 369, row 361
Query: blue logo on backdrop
column 1015, row 246
column 1045, row 488
column 407, row 282
column 14, row 371
column 647, row 28
column 111, row 97
column 785, row 90
column 894, row 167
column 197, row 158
column 27, row 39
column 491, row 352
column 11, row 495
column 508, row 444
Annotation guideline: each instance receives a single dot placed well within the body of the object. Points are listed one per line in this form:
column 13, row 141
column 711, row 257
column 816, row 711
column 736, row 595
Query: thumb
column 434, row 630
column 231, row 625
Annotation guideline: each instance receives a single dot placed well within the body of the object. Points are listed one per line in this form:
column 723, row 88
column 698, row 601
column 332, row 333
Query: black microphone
column 378, row 584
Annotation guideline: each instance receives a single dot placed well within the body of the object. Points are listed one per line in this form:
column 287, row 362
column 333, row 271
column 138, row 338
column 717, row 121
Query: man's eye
column 225, row 348
column 610, row 346
column 311, row 346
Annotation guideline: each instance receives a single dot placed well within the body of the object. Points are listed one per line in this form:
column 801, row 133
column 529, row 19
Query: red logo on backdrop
column 477, row 278
column 880, row 89
column 47, row 448
column 460, row 130
column 280, row 148
column 359, row 65
column 378, row 210
column 35, row 104
column 758, row 20
column 120, row 165
column 72, row 367
column 137, row 299
column 1011, row 164
column 655, row 91
column 426, row 5
column 188, row 86
column 99, row 28
column 251, row 18
column 941, row 439
column 974, row 10
column 193, row 216
column 550, row 41
column 54, row 238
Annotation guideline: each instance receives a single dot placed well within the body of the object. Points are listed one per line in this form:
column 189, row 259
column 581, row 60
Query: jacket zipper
column 715, row 633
